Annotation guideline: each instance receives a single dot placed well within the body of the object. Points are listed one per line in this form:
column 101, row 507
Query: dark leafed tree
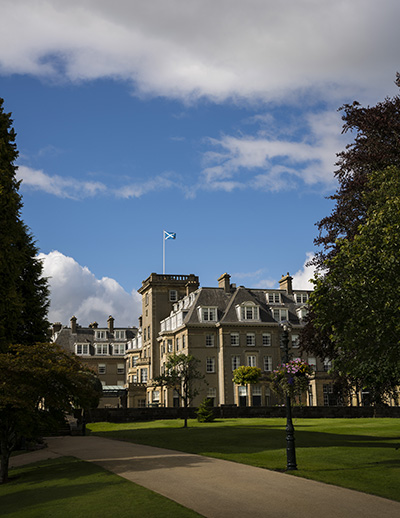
column 38, row 384
column 375, row 148
column 355, row 303
column 24, row 292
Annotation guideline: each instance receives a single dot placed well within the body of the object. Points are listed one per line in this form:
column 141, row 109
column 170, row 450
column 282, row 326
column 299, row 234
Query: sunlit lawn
column 67, row 487
column 359, row 454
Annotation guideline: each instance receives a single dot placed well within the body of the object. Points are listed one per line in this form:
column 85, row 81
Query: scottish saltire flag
column 169, row 235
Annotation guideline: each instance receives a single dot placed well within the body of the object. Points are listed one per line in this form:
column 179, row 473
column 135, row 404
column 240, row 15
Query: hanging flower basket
column 291, row 378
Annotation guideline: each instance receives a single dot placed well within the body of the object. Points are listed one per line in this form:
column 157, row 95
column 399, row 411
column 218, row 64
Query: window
column 208, row 314
column 256, row 395
column 266, row 339
column 327, row 365
column 234, row 339
column 183, row 341
column 177, row 344
column 250, row 339
column 148, row 332
column 82, row 349
column 274, row 298
column 155, row 397
column 169, row 342
column 121, row 368
column 146, row 299
column 235, row 362
column 280, row 314
column 101, row 348
column 312, row 362
column 134, row 360
column 209, row 340
column 145, row 334
column 212, row 394
column 119, row 335
column 328, row 391
column 249, row 311
column 100, row 335
column 267, row 363
column 119, row 349
column 301, row 298
column 173, row 295
column 102, row 368
column 210, row 364
column 295, row 341
column 143, row 375
column 252, row 361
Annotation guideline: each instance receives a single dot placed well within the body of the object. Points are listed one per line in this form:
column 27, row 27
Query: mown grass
column 65, row 487
column 358, row 454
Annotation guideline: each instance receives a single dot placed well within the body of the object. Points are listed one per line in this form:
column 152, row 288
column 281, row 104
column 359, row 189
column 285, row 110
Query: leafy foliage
column 356, row 302
column 205, row 413
column 38, row 383
column 245, row 375
column 24, row 301
column 291, row 378
column 376, row 146
column 181, row 374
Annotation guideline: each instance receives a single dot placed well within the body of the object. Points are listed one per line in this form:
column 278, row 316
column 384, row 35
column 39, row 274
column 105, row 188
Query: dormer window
column 280, row 314
column 119, row 335
column 273, row 297
column 301, row 298
column 208, row 314
column 248, row 311
column 101, row 335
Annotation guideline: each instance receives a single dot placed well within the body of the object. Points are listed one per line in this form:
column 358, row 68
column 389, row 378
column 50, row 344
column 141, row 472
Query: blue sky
column 216, row 120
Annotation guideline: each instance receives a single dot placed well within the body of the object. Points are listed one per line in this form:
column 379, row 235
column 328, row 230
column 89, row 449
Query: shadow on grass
column 223, row 439
column 27, row 483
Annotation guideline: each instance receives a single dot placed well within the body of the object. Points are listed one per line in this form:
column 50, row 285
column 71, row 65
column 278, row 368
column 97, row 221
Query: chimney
column 191, row 286
column 224, row 282
column 286, row 283
column 110, row 322
column 73, row 324
column 57, row 326
column 94, row 325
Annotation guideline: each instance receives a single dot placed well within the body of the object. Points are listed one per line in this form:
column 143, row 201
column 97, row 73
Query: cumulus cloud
column 74, row 290
column 186, row 50
column 301, row 279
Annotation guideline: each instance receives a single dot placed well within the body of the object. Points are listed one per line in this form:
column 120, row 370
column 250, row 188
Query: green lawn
column 359, row 454
column 67, row 487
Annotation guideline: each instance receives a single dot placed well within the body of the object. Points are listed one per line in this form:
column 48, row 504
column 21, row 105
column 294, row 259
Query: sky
column 214, row 119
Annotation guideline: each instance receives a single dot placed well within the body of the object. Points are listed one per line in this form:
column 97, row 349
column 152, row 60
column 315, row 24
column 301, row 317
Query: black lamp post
column 290, row 446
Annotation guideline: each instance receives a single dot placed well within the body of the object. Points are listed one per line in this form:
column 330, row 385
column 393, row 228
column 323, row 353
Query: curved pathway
column 217, row 488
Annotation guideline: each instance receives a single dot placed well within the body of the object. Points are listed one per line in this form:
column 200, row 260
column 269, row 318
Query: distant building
column 224, row 327
column 103, row 350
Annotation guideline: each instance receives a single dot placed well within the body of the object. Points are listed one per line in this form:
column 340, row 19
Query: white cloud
column 72, row 188
column 275, row 162
column 74, row 290
column 301, row 279
column 224, row 49
column 58, row 185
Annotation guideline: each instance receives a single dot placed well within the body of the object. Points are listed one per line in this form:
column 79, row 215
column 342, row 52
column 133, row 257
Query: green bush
column 205, row 413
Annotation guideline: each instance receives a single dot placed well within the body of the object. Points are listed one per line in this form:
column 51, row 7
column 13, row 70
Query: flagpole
column 163, row 263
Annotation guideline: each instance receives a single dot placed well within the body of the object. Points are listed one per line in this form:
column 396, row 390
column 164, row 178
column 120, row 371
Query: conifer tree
column 24, row 292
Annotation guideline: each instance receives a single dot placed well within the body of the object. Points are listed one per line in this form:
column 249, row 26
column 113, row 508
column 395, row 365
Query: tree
column 24, row 301
column 356, row 301
column 38, row 384
column 245, row 375
column 376, row 146
column 205, row 412
column 181, row 375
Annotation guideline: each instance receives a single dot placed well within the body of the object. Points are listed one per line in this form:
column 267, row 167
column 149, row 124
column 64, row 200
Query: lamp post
column 290, row 446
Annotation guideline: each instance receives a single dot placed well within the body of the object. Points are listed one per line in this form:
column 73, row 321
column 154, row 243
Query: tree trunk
column 5, row 458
